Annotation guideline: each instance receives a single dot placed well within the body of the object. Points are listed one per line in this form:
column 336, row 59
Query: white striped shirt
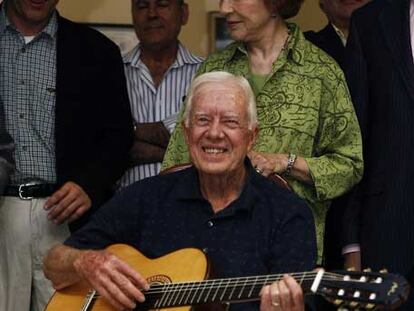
column 151, row 104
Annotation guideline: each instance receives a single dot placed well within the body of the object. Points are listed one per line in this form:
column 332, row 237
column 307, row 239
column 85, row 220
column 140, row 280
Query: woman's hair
column 287, row 8
column 222, row 77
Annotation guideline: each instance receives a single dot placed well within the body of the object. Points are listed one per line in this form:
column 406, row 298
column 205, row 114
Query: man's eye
column 141, row 4
column 231, row 122
column 163, row 3
column 202, row 121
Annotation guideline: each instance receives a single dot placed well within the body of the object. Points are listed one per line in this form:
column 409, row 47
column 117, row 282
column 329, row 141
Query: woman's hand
column 284, row 295
column 268, row 163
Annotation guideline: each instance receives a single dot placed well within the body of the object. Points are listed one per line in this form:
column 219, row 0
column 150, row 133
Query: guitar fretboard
column 217, row 290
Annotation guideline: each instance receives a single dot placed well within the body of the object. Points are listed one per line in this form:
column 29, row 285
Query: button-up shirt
column 266, row 230
column 27, row 88
column 153, row 104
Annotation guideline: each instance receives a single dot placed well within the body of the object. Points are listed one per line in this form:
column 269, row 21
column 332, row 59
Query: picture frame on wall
column 219, row 36
column 122, row 34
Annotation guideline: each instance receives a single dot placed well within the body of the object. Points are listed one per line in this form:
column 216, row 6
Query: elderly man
column 333, row 37
column 245, row 224
column 158, row 70
column 67, row 111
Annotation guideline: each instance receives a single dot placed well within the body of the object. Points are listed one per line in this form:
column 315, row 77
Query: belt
column 30, row 190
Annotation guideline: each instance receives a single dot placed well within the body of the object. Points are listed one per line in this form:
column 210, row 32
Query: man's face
column 158, row 22
column 340, row 11
column 217, row 135
column 30, row 16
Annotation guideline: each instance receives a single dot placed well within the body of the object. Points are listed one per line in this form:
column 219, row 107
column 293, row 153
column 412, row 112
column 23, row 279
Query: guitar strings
column 238, row 281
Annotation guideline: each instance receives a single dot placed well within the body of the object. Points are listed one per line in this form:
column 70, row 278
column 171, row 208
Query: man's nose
column 226, row 6
column 153, row 10
column 215, row 130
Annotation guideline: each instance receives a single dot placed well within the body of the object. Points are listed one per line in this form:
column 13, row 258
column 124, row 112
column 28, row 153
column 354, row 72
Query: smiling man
column 244, row 223
column 66, row 108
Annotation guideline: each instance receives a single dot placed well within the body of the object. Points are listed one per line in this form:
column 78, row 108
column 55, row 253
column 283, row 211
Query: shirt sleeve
column 112, row 223
column 338, row 161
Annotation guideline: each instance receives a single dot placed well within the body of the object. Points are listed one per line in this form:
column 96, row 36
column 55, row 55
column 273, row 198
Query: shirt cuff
column 351, row 248
column 170, row 122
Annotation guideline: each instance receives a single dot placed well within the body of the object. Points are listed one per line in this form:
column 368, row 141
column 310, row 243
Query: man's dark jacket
column 380, row 75
column 328, row 40
column 93, row 125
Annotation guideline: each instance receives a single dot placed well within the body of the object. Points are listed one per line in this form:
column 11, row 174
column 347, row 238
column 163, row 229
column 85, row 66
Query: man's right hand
column 117, row 282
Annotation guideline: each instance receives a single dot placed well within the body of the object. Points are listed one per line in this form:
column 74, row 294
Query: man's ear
column 185, row 14
column 186, row 132
column 254, row 133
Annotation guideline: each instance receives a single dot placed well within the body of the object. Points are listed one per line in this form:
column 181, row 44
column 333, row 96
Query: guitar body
column 178, row 282
column 184, row 265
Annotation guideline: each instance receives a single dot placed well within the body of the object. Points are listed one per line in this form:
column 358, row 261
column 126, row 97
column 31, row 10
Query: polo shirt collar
column 183, row 57
column 188, row 188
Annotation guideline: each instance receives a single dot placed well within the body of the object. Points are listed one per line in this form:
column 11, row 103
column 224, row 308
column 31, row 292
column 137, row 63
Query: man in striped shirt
column 158, row 71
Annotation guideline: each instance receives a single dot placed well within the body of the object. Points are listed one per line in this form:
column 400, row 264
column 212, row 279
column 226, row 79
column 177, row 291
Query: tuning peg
column 353, row 304
column 351, row 269
column 370, row 306
column 384, row 271
column 367, row 270
column 338, row 302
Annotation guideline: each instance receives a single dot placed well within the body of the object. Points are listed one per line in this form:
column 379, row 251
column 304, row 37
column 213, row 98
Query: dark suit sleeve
column 94, row 130
column 356, row 75
column 116, row 133
column 6, row 151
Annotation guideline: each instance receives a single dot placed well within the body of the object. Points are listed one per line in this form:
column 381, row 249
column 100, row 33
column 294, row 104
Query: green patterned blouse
column 304, row 108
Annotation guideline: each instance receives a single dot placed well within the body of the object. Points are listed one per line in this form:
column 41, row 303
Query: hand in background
column 68, row 203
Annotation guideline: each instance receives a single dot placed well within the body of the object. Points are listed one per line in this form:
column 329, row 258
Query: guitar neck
column 217, row 290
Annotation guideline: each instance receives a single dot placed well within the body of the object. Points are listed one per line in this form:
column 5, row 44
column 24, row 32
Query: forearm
column 58, row 266
column 154, row 133
column 144, row 153
column 300, row 171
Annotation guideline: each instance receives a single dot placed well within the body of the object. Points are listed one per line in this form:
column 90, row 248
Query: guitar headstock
column 364, row 290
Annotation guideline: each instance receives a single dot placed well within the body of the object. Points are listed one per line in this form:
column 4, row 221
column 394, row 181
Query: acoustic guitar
column 177, row 281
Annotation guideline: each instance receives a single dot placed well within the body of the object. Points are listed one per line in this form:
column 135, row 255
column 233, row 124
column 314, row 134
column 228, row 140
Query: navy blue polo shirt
column 266, row 230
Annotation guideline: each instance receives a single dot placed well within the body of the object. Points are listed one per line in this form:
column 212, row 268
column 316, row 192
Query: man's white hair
column 222, row 77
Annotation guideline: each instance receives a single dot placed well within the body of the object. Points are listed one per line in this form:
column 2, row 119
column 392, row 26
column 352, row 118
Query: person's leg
column 45, row 235
column 15, row 254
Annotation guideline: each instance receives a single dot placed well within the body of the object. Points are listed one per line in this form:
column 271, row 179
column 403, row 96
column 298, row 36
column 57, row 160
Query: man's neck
column 221, row 190
column 159, row 61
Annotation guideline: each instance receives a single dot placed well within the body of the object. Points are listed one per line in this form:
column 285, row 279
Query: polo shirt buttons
column 210, row 224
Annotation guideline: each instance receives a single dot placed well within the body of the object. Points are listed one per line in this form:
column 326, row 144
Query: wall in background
column 194, row 35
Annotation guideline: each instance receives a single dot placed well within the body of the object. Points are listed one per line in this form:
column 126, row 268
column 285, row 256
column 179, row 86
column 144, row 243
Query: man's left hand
column 68, row 203
column 285, row 295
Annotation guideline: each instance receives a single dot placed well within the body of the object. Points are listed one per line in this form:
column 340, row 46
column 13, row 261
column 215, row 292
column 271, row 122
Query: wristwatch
column 290, row 162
